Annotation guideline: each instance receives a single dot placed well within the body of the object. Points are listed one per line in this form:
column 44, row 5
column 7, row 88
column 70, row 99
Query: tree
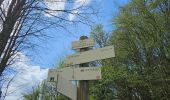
column 33, row 95
column 22, row 20
column 99, row 35
column 140, row 70
column 101, row 90
column 142, row 37
column 19, row 23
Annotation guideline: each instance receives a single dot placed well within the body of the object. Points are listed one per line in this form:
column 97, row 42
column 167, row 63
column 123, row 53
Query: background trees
column 140, row 70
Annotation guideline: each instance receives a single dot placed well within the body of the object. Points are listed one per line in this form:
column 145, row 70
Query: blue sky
column 56, row 48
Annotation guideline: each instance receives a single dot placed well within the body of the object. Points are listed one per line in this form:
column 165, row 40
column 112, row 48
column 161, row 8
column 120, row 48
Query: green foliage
column 33, row 95
column 140, row 70
column 99, row 35
column 61, row 64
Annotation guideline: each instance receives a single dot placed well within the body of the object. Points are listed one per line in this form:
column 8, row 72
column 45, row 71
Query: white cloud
column 28, row 76
column 54, row 5
column 77, row 4
column 60, row 5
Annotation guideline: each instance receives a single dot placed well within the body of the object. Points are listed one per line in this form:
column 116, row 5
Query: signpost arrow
column 67, row 73
column 64, row 87
column 91, row 55
column 83, row 73
column 82, row 43
column 87, row 73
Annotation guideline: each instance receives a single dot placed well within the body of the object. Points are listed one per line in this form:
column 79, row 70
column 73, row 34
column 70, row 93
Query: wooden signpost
column 87, row 73
column 91, row 55
column 64, row 87
column 82, row 44
column 83, row 86
column 67, row 73
column 70, row 73
column 84, row 73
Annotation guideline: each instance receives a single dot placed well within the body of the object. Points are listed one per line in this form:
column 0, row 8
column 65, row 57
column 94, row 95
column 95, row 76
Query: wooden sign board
column 83, row 44
column 87, row 73
column 91, row 55
column 67, row 73
column 83, row 73
column 64, row 87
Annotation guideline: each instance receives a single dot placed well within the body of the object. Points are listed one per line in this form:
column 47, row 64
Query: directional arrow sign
column 64, row 87
column 67, row 73
column 91, row 55
column 82, row 43
column 87, row 73
column 70, row 73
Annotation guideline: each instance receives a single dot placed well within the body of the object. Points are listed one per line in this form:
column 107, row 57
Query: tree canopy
column 140, row 70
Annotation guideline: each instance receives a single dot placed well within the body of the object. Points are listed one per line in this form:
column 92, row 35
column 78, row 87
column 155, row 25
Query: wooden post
column 83, row 88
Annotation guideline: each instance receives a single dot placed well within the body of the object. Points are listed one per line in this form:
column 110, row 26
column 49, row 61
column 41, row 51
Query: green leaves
column 140, row 70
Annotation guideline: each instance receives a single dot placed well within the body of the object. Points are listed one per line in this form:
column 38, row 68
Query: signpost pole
column 83, row 88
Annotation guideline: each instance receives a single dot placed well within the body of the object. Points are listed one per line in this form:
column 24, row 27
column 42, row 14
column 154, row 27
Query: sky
column 52, row 50
column 56, row 48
